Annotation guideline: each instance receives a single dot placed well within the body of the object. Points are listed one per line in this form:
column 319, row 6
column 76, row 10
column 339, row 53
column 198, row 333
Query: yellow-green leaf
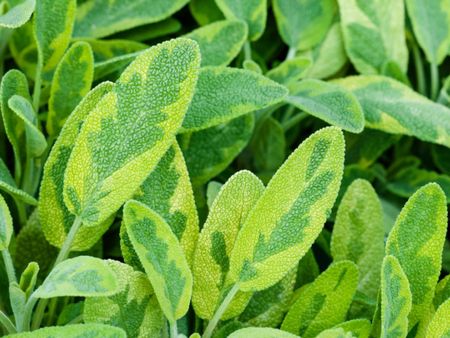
column 8, row 185
column 360, row 328
column 17, row 15
column 6, row 225
column 290, row 70
column 74, row 331
column 440, row 324
column 261, row 332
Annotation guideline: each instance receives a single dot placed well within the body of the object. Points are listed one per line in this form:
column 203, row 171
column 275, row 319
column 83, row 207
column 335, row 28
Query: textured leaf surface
column 82, row 276
column 162, row 258
column 395, row 299
column 323, row 303
column 253, row 12
column 18, row 15
column 417, row 240
column 335, row 333
column 303, row 24
column 71, row 82
column 6, row 225
column 8, row 185
column 328, row 102
column 290, row 214
column 442, row 291
column 360, row 328
column 440, row 325
column 74, row 331
column 226, row 216
column 131, row 127
column 99, row 18
column 54, row 216
column 134, row 308
column 394, row 108
column 374, row 33
column 220, row 42
column 223, row 94
column 260, row 332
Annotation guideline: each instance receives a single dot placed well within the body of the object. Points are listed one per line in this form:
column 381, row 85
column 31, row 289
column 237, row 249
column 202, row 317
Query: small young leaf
column 82, row 276
column 223, row 94
column 253, row 12
column 71, row 82
column 440, row 325
column 323, row 303
column 417, row 240
column 74, row 331
column 226, row 216
column 28, row 278
column 162, row 257
column 395, row 299
column 328, row 102
column 303, row 24
column 131, row 127
column 17, row 15
column 260, row 332
column 290, row 214
column 220, row 42
column 6, row 225
column 8, row 185
column 290, row 70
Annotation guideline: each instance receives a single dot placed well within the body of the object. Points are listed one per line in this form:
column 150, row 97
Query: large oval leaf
column 74, row 331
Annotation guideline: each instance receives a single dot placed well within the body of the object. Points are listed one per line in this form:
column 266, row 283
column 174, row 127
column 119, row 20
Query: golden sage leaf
column 17, row 15
column 74, row 331
column 290, row 214
column 261, row 332
column 71, row 82
column 440, row 324
column 215, row 244
column 162, row 257
column 324, row 303
column 130, row 129
column 417, row 241
column 6, row 225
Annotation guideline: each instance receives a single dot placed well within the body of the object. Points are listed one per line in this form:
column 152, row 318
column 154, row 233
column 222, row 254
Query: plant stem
column 220, row 311
column 434, row 81
column 421, row 87
column 247, row 51
column 7, row 323
column 294, row 120
column 291, row 53
column 9, row 266
column 173, row 330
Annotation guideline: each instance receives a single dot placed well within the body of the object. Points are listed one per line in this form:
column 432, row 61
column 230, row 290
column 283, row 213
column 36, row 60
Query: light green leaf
column 53, row 24
column 28, row 278
column 290, row 70
column 74, row 331
column 323, row 303
column 212, row 190
column 104, row 50
column 150, row 31
column 431, row 24
column 440, row 325
column 360, row 328
column 6, row 225
column 113, row 65
column 54, row 216
column 253, row 12
column 82, row 276
column 18, row 300
column 223, row 94
column 8, row 185
column 394, row 108
column 395, row 299
column 260, row 332
column 290, row 214
column 335, row 333
column 374, row 34
column 303, row 24
column 131, row 127
column 162, row 257
column 252, row 66
column 208, row 152
column 358, row 236
column 417, row 240
column 71, row 82
column 18, row 15
column 134, row 308
column 205, row 11
column 328, row 102
column 22, row 46
column 99, row 18
column 220, row 42
column 215, row 244
column 442, row 291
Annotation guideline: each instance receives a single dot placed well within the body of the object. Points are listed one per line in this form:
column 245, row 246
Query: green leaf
column 223, row 94
column 374, row 33
column 82, row 276
column 360, row 328
column 131, row 127
column 28, row 278
column 99, row 18
column 328, row 102
column 6, row 225
column 22, row 46
column 162, row 257
column 395, row 299
column 212, row 190
column 215, row 244
column 104, row 50
column 8, row 185
column 335, row 333
column 150, row 31
column 253, row 12
column 323, row 303
column 74, row 331
column 53, row 24
column 220, row 42
column 440, row 325
column 205, row 11
column 358, row 236
column 260, row 332
column 290, row 70
column 290, row 214
column 417, row 240
column 431, row 25
column 442, row 291
column 71, row 82
column 394, row 108
column 208, row 152
column 54, row 216
column 18, row 15
column 303, row 24
column 134, row 308
column 18, row 300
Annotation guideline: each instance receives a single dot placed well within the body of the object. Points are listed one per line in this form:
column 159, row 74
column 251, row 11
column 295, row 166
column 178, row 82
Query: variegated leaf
column 17, row 15
column 74, row 331
column 440, row 324
column 360, row 328
column 290, row 70
column 442, row 291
